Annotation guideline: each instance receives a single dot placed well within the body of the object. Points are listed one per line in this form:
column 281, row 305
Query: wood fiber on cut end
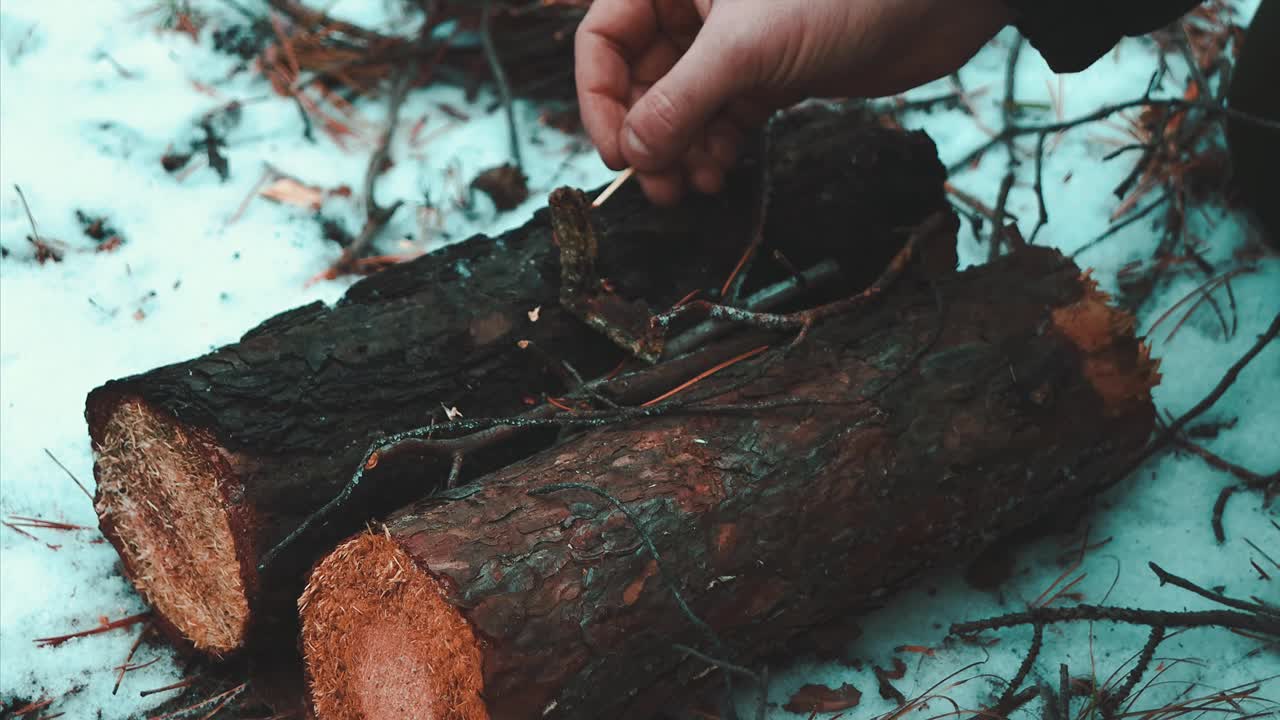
column 381, row 641
column 160, row 500
column 1121, row 374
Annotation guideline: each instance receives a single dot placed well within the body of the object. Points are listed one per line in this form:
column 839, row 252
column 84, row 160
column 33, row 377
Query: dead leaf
column 887, row 690
column 820, row 698
column 505, row 184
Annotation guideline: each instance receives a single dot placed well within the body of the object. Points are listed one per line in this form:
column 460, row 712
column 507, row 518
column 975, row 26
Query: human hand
column 672, row 87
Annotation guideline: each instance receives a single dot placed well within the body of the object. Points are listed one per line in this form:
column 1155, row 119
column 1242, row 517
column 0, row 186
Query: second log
column 888, row 443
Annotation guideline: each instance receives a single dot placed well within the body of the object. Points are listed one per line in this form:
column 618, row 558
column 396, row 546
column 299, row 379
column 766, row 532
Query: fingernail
column 635, row 146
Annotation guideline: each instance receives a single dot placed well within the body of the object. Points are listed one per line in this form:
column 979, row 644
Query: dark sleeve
column 1072, row 34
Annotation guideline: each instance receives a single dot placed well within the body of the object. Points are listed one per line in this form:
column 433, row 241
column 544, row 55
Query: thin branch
column 1107, row 111
column 1006, row 703
column 1245, row 475
column 1118, row 226
column 761, row 678
column 500, row 79
column 1167, row 577
column 376, row 217
column 1220, row 506
column 732, row 288
column 1006, row 114
column 1042, row 218
column 484, row 432
column 1132, row 616
column 804, row 320
column 1002, row 201
column 773, row 296
column 1113, row 700
column 104, row 627
column 1174, row 428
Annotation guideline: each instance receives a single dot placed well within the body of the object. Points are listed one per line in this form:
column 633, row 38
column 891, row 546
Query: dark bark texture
column 293, row 406
column 915, row 450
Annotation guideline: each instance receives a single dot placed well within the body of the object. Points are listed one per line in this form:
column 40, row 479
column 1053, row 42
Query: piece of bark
column 493, row 602
column 203, row 466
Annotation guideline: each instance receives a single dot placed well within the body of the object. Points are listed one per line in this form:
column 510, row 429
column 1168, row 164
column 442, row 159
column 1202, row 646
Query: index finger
column 609, row 37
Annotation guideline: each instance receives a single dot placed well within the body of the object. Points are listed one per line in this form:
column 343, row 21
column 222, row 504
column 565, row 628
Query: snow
column 77, row 134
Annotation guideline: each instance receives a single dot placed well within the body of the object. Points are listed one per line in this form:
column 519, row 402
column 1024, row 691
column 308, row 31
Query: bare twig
column 804, row 320
column 732, row 289
column 761, row 678
column 1219, row 506
column 1006, row 113
column 483, row 432
column 1112, row 701
column 376, row 217
column 1010, row 696
column 128, row 665
column 1174, row 428
column 1247, row 476
column 500, row 79
column 1122, row 224
column 1107, row 111
column 1167, row 577
column 1002, row 201
column 104, row 627
column 1081, row 613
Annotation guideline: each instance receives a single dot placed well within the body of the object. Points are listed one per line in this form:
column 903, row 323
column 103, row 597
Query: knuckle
column 663, row 113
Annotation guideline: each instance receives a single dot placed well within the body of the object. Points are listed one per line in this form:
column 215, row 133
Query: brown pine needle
column 1064, row 589
column 31, row 522
column 128, row 664
column 1047, row 591
column 742, row 262
column 618, row 182
column 559, row 404
column 19, row 530
column 185, row 682
column 31, row 707
column 71, row 475
column 225, row 697
column 705, row 374
column 104, row 627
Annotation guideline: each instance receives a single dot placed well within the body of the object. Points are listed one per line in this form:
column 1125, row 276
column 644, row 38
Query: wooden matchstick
column 613, row 186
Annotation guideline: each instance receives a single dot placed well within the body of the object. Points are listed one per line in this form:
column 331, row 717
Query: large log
column 906, row 453
column 203, row 466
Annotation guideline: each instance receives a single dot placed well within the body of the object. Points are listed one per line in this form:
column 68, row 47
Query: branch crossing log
column 876, row 450
column 203, row 466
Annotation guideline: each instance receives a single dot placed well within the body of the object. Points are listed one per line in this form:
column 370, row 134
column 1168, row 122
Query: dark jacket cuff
column 1073, row 35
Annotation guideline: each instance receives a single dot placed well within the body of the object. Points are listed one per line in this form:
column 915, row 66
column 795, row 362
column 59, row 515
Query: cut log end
column 160, row 501
column 1122, row 374
column 382, row 642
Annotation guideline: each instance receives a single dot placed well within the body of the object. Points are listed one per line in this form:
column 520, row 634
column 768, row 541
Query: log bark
column 909, row 450
column 203, row 466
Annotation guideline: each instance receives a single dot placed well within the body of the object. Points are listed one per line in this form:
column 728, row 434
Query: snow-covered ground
column 92, row 95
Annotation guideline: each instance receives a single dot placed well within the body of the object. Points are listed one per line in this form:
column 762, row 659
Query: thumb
column 665, row 120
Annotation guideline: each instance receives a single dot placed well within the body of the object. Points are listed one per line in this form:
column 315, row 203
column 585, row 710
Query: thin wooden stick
column 623, row 176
